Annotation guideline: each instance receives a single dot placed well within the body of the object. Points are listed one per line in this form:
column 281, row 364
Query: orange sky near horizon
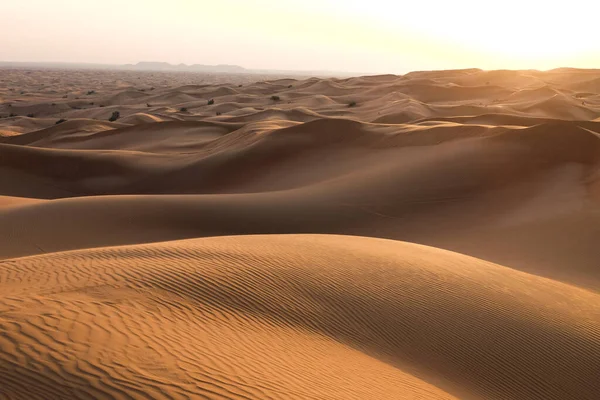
column 376, row 36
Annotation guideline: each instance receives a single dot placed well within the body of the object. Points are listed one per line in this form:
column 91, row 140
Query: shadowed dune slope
column 523, row 197
column 298, row 316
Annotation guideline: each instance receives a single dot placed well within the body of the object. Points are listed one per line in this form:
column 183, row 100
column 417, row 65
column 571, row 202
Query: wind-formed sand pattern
column 434, row 235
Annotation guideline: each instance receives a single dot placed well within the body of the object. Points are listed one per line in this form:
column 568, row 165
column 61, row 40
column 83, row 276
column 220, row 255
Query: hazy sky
column 343, row 35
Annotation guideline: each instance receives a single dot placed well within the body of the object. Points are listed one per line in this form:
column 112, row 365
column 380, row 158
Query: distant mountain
column 164, row 66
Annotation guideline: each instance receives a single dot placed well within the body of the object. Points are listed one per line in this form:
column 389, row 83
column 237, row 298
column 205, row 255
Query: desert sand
column 434, row 235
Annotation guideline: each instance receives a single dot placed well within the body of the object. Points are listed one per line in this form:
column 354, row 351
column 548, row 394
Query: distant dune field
column 434, row 235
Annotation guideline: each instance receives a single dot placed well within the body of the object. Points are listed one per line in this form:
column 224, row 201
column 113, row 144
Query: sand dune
column 293, row 317
column 322, row 217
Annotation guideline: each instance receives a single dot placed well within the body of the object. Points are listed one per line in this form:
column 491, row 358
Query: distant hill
column 163, row 66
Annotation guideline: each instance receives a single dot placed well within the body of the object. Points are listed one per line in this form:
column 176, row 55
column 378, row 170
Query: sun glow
column 508, row 34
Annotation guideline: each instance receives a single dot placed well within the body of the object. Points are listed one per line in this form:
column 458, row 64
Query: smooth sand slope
column 503, row 166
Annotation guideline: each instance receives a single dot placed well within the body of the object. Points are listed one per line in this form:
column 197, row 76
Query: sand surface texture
column 428, row 236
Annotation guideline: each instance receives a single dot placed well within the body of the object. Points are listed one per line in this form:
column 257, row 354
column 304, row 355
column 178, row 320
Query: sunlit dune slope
column 298, row 316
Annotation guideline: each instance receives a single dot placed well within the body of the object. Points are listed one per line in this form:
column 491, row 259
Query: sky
column 371, row 36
